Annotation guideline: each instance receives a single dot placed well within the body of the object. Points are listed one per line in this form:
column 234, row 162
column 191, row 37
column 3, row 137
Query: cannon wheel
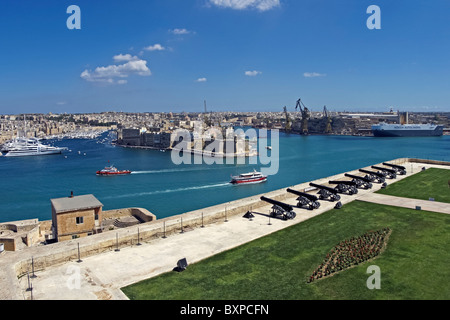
column 336, row 197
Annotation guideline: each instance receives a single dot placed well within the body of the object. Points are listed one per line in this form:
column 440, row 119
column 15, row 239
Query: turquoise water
column 165, row 189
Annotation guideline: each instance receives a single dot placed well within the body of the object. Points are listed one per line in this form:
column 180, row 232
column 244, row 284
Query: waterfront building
column 76, row 216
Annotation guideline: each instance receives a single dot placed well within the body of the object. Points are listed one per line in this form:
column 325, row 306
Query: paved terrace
column 100, row 276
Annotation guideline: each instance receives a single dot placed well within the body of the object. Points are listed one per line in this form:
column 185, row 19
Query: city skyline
column 243, row 56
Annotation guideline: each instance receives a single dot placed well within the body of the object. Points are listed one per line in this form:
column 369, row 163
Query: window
column 79, row 220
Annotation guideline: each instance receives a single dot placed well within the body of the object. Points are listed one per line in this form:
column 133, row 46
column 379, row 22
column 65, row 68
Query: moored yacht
column 21, row 147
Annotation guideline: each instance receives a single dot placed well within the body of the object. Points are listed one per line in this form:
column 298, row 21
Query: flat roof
column 76, row 203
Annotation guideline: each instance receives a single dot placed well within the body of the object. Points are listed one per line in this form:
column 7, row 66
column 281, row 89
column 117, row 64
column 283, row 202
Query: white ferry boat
column 249, row 178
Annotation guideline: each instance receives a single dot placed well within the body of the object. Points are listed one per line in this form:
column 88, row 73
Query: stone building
column 144, row 138
column 75, row 217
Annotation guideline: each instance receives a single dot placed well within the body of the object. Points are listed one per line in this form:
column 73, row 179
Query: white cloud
column 125, row 57
column 109, row 74
column 201, row 80
column 261, row 5
column 155, row 47
column 313, row 75
column 252, row 73
column 180, row 31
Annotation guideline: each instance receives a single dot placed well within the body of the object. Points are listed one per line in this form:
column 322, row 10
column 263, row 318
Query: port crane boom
column 327, row 116
column 305, row 116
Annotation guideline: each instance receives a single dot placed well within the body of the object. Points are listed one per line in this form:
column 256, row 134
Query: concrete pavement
column 409, row 203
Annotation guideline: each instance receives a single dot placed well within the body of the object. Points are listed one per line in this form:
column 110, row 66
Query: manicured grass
column 276, row 267
column 431, row 183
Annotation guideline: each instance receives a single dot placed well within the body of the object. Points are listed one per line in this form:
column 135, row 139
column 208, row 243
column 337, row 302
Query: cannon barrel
column 394, row 166
column 324, row 188
column 372, row 172
column 283, row 205
column 303, row 194
column 348, row 183
column 357, row 177
column 385, row 169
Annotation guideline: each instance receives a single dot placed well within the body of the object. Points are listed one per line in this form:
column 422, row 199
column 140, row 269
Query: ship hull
column 99, row 173
column 31, row 154
column 409, row 133
column 249, row 181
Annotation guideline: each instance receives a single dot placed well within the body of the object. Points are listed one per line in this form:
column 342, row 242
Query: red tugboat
column 112, row 171
column 249, row 178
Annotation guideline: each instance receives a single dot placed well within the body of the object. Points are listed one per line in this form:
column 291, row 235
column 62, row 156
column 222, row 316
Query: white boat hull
column 29, row 154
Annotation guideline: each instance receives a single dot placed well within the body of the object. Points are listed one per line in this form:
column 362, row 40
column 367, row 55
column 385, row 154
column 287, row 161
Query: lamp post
column 117, row 242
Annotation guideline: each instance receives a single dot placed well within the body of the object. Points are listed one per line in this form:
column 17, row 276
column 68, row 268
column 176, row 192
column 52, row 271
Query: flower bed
column 352, row 252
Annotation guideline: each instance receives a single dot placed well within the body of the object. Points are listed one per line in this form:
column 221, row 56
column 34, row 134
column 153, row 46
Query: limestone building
column 75, row 217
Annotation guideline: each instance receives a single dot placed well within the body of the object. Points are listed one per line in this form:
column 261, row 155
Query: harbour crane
column 327, row 116
column 305, row 116
column 288, row 120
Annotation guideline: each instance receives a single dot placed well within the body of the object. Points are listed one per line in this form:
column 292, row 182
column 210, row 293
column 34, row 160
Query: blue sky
column 238, row 55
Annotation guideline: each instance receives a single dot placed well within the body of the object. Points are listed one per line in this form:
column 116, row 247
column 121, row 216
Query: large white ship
column 21, row 147
column 407, row 130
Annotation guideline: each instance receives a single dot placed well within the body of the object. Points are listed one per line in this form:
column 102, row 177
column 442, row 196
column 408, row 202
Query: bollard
column 202, row 221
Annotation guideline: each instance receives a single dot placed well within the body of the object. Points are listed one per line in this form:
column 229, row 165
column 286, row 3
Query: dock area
column 96, row 267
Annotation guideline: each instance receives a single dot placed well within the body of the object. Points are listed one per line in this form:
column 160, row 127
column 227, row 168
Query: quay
column 96, row 267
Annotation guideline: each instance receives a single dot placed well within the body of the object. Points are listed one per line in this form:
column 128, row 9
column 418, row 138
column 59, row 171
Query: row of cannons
column 350, row 187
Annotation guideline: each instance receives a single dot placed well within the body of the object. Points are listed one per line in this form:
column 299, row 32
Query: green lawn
column 276, row 267
column 431, row 183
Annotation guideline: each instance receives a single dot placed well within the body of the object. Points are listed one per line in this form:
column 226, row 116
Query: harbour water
column 166, row 189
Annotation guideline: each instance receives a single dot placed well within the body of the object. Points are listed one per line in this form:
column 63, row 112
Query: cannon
column 361, row 182
column 388, row 173
column 326, row 192
column 305, row 199
column 345, row 186
column 401, row 170
column 374, row 176
column 280, row 209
